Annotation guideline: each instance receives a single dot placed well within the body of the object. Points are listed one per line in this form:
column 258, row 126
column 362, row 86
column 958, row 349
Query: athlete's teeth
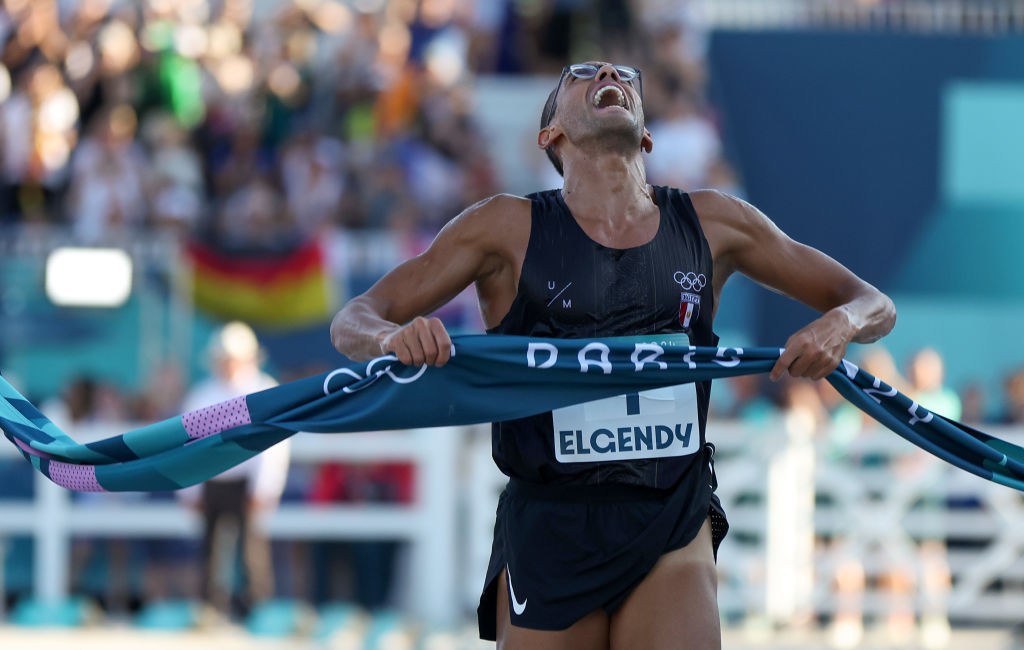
column 618, row 95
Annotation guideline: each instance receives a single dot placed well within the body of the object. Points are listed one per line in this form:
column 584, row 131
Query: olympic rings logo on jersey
column 690, row 281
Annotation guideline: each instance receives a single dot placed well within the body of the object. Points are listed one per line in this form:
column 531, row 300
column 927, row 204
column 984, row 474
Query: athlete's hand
column 423, row 341
column 816, row 350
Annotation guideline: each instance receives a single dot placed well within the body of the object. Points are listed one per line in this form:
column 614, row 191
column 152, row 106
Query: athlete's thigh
column 588, row 633
column 676, row 605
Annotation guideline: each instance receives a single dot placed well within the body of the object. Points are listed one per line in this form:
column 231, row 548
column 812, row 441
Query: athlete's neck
column 608, row 188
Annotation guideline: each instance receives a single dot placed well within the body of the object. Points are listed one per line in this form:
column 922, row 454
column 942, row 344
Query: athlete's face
column 606, row 110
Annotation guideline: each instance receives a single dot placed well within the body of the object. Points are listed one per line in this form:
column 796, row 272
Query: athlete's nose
column 606, row 71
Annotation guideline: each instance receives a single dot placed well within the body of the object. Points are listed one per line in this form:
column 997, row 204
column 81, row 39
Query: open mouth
column 609, row 96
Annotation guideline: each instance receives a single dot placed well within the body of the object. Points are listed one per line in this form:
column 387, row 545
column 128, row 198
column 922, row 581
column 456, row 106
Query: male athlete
column 597, row 546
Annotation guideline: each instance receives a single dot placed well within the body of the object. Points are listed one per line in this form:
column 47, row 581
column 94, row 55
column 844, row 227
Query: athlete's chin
column 614, row 134
column 613, row 115
column 612, row 111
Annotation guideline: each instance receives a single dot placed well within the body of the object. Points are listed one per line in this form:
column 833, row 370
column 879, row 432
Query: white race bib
column 656, row 423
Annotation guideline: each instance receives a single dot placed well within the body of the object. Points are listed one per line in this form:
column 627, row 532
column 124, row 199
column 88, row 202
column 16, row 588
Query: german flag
column 282, row 290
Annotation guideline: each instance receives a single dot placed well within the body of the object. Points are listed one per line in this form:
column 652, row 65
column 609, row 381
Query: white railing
column 782, row 494
column 890, row 513
column 428, row 524
column 918, row 16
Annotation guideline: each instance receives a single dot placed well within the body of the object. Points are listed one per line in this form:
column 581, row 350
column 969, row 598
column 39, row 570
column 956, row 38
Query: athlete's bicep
column 460, row 254
column 752, row 244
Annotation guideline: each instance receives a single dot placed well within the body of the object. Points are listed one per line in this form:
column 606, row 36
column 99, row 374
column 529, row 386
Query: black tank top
column 573, row 287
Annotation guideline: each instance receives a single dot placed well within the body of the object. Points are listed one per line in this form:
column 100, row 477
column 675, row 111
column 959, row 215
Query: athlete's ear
column 547, row 136
column 647, row 142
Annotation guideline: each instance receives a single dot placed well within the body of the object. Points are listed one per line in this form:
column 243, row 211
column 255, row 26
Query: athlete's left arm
column 743, row 239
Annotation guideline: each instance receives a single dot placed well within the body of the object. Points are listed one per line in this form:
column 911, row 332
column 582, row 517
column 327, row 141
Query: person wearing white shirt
column 233, row 503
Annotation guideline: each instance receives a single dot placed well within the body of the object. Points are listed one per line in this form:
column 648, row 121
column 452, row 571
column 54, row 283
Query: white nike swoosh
column 517, row 607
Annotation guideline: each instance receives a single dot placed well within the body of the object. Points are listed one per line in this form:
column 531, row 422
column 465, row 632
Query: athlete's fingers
column 818, row 369
column 821, row 373
column 803, row 363
column 786, row 359
column 816, row 361
column 444, row 342
column 412, row 341
column 826, row 367
column 426, row 340
column 387, row 346
column 401, row 350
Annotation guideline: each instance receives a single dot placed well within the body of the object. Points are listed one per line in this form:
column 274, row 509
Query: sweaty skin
column 607, row 192
column 486, row 244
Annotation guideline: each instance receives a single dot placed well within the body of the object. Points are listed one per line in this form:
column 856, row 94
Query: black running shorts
column 573, row 549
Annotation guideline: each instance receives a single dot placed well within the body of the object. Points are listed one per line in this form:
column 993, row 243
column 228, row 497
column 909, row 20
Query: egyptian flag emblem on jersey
column 689, row 308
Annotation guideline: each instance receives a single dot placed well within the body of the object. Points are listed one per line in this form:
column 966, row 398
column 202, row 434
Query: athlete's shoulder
column 507, row 202
column 730, row 222
column 715, row 203
column 497, row 206
column 717, row 207
column 489, row 221
column 705, row 201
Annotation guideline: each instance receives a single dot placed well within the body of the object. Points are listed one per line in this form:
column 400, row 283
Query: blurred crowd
column 256, row 123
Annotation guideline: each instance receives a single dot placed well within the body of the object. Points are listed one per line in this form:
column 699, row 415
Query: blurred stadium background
column 167, row 166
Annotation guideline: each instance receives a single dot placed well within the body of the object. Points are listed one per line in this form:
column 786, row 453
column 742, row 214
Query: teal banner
column 489, row 378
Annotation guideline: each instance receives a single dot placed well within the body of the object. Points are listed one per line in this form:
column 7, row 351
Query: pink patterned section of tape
column 74, row 477
column 214, row 419
column 31, row 450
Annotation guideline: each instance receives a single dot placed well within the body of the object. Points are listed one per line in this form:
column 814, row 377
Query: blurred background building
column 169, row 166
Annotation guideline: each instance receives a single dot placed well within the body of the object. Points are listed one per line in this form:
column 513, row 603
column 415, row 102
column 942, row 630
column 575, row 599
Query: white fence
column 880, row 506
column 428, row 524
column 787, row 545
column 918, row 16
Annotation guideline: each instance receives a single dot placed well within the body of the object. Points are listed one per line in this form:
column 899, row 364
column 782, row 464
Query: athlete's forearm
column 358, row 330
column 862, row 315
column 871, row 315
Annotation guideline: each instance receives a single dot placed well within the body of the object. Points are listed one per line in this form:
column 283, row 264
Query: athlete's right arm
column 389, row 317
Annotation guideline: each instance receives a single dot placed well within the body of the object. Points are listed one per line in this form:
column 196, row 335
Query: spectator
column 686, row 143
column 857, row 443
column 107, row 182
column 170, row 569
column 253, row 218
column 850, row 423
column 87, row 402
column 235, row 503
column 973, row 401
column 748, row 400
column 1013, row 395
column 16, row 117
column 162, row 395
column 312, row 169
column 927, row 373
column 370, row 563
column 175, row 182
column 790, row 550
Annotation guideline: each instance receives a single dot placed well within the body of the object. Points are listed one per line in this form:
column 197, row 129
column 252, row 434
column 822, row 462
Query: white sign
column 657, row 423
